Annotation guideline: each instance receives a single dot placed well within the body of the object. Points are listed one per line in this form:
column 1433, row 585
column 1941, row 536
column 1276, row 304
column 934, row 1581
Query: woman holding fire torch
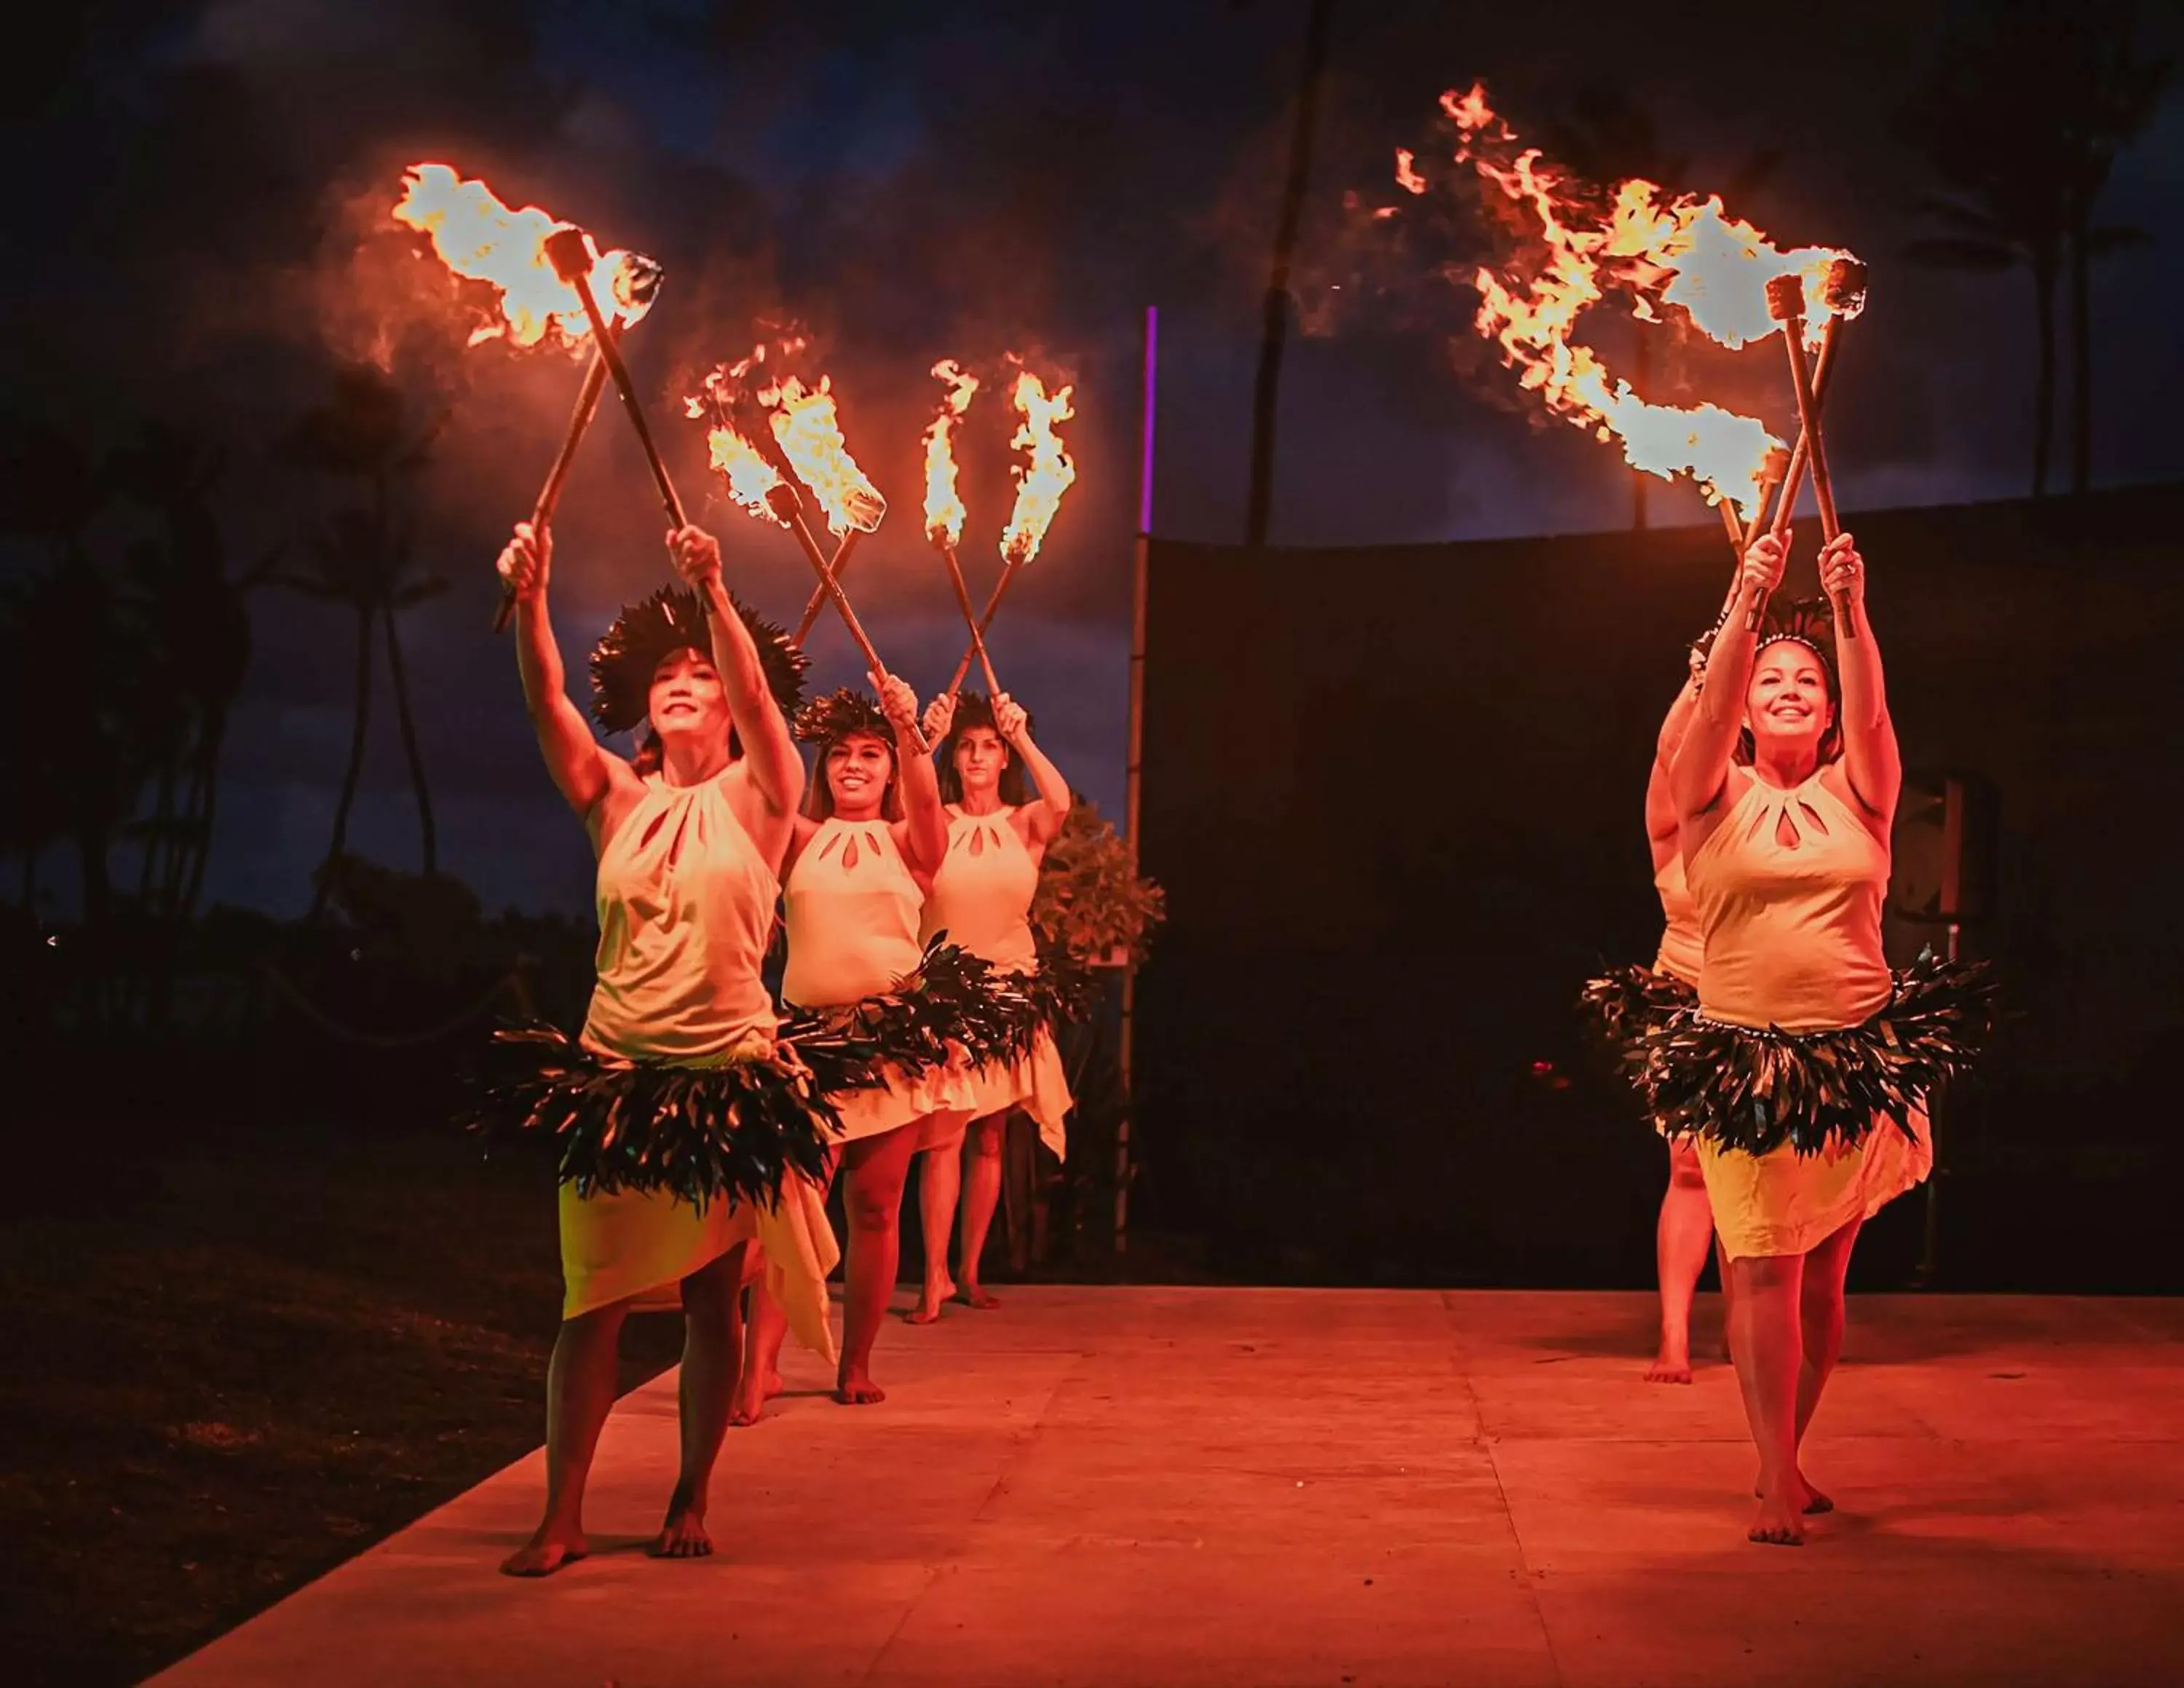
column 871, row 835
column 1804, row 1069
column 981, row 897
column 659, row 1198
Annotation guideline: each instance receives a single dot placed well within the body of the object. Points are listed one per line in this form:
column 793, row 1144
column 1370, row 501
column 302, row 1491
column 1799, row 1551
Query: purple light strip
column 1146, row 427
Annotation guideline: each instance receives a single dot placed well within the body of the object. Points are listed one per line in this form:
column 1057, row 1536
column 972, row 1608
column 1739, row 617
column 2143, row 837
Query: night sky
column 197, row 237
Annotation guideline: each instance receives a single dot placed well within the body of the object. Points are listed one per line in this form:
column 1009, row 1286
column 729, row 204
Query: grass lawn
column 235, row 1356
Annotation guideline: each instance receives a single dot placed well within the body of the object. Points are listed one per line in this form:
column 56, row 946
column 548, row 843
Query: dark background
column 202, row 236
column 263, row 1305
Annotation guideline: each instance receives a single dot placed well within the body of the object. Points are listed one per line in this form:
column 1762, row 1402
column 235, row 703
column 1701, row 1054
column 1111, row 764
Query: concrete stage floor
column 1123, row 1486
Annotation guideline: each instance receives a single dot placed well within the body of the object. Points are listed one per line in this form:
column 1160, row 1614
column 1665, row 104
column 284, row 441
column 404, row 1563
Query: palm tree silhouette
column 65, row 651
column 1274, row 311
column 362, row 557
column 2021, row 122
column 194, row 619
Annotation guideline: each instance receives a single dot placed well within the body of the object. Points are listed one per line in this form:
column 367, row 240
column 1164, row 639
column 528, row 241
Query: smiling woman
column 687, row 853
column 1804, row 1069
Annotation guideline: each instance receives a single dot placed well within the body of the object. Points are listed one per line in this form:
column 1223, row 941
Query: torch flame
column 808, row 430
column 1662, row 251
column 1048, row 473
column 741, row 464
column 478, row 237
column 943, row 507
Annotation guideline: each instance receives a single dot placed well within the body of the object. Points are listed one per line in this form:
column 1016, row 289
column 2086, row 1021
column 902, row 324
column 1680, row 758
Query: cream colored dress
column 1791, row 935
column 981, row 898
column 853, row 912
column 685, row 906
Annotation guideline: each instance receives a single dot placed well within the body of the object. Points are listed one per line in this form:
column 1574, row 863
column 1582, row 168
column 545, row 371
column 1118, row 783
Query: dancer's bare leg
column 1728, row 1295
column 1821, row 1319
column 874, row 1170
column 580, row 1391
column 1681, row 1240
column 759, row 1379
column 1769, row 1353
column 982, row 1194
column 712, row 1341
column 940, row 1182
column 764, row 1333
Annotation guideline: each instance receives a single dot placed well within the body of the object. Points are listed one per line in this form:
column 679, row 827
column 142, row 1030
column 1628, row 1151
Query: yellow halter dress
column 1788, row 892
column 685, row 906
column 981, row 898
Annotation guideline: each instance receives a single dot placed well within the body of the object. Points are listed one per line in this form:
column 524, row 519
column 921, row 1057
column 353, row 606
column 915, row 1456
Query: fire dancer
column 1805, row 1067
column 982, row 896
column 687, row 858
column 1630, row 1001
column 866, row 847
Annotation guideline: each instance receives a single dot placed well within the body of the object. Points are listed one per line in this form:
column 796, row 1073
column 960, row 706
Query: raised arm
column 775, row 769
column 1660, row 805
column 1662, row 817
column 1871, row 761
column 924, row 822
column 1698, row 774
column 582, row 768
column 1043, row 818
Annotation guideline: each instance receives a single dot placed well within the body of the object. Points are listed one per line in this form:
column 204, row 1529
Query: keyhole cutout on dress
column 652, row 831
column 1812, row 815
column 977, row 841
column 832, row 845
column 1786, row 831
column 850, row 855
column 682, row 832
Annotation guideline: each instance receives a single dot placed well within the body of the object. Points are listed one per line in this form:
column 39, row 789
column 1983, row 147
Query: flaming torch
column 479, row 238
column 1046, row 474
column 1662, row 251
column 806, row 429
column 1845, row 290
column 944, row 505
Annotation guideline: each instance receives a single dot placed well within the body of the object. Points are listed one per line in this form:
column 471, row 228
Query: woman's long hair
column 974, row 709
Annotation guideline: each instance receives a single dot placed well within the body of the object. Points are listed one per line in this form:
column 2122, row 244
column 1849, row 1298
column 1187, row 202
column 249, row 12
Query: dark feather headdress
column 1809, row 621
column 830, row 719
column 673, row 619
column 976, row 709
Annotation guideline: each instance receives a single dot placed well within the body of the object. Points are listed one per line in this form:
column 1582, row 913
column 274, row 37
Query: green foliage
column 1090, row 902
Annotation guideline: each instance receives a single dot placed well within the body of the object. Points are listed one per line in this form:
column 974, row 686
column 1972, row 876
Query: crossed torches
column 1046, row 473
column 1843, row 293
column 549, row 276
column 806, row 443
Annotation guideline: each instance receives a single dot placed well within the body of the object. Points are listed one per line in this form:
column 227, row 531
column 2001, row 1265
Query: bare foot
column 1672, row 1365
column 1814, row 1503
column 857, row 1389
column 971, row 1295
column 749, row 1403
column 929, row 1300
column 683, row 1535
column 1777, row 1523
column 546, row 1552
